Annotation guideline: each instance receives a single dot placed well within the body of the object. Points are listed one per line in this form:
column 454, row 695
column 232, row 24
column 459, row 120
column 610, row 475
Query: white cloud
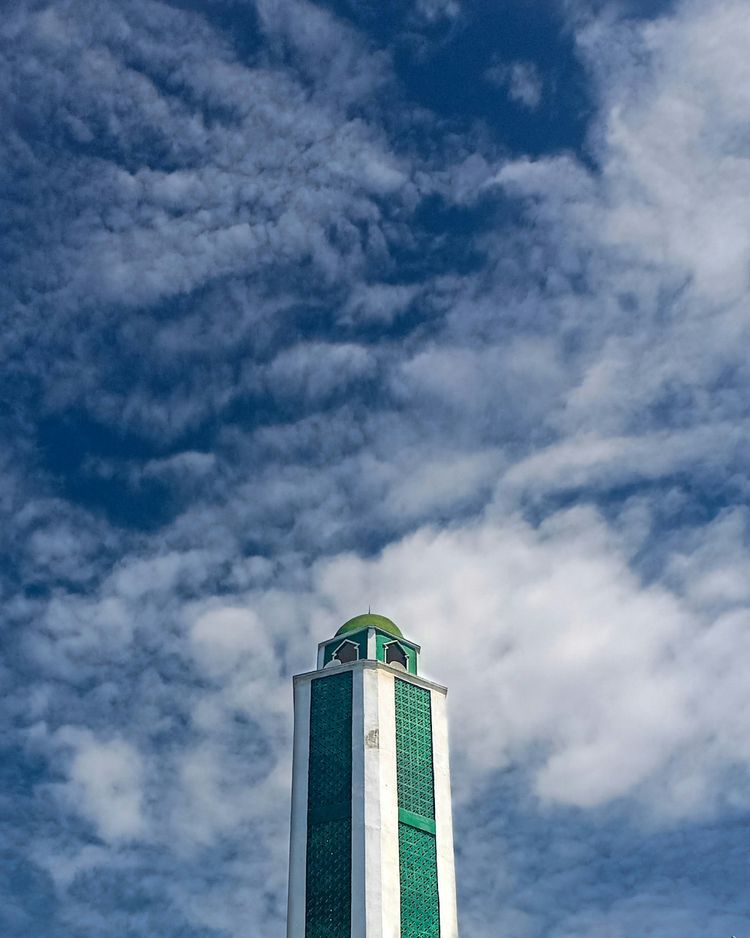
column 379, row 302
column 589, row 461
column 313, row 371
column 423, row 486
column 326, row 48
column 225, row 638
column 522, row 80
column 105, row 784
column 552, row 646
column 600, row 346
column 677, row 161
column 639, row 268
column 433, row 10
column 711, row 566
column 253, row 178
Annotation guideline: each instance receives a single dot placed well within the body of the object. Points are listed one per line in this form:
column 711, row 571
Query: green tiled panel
column 329, row 827
column 330, row 773
column 420, row 909
column 416, row 789
column 420, row 916
column 328, row 899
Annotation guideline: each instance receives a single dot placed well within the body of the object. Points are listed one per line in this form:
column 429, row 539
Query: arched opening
column 395, row 654
column 346, row 652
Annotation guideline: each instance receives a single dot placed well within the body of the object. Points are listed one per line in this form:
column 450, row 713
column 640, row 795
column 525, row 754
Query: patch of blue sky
column 455, row 79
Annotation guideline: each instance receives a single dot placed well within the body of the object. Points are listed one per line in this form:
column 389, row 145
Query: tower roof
column 371, row 619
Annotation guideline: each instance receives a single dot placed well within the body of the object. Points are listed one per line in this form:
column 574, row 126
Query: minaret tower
column 372, row 839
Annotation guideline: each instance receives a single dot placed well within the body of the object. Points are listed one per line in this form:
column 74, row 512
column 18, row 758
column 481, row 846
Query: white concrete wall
column 376, row 888
column 375, row 882
column 390, row 887
column 359, row 840
column 443, row 818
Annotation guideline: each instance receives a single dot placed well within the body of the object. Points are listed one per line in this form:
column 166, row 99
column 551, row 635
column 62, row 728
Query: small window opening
column 395, row 654
column 346, row 652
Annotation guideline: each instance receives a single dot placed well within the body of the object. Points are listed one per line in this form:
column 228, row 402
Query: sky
column 434, row 306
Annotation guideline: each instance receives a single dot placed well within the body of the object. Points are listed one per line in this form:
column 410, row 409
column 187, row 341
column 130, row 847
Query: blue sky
column 439, row 308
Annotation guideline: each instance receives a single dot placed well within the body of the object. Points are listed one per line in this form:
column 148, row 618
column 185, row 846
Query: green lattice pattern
column 420, row 909
column 329, row 825
column 330, row 774
column 328, row 897
column 416, row 789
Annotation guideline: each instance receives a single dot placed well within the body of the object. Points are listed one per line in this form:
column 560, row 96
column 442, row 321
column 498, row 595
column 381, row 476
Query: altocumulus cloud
column 285, row 332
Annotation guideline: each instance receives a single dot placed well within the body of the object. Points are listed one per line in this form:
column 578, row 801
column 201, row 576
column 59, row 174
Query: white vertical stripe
column 443, row 818
column 298, row 835
column 358, row 805
column 371, row 743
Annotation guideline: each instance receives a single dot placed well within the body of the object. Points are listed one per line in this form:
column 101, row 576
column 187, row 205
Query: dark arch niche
column 346, row 652
column 395, row 654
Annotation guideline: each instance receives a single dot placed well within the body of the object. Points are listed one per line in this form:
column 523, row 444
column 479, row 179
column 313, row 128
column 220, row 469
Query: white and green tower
column 372, row 835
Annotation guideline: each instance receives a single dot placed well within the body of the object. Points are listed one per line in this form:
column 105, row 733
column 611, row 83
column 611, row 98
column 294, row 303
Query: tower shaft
column 371, row 839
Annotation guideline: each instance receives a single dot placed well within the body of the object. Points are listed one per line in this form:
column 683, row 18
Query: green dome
column 370, row 619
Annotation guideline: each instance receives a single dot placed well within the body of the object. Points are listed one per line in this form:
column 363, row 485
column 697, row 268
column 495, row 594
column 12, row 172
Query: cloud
column 522, row 81
column 281, row 343
column 222, row 637
column 105, row 784
column 202, row 169
column 433, row 10
column 550, row 645
column 334, row 54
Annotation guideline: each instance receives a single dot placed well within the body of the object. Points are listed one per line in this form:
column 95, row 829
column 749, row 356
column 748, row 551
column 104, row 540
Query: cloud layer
column 287, row 335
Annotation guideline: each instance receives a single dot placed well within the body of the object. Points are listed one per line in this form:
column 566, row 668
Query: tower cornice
column 369, row 664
